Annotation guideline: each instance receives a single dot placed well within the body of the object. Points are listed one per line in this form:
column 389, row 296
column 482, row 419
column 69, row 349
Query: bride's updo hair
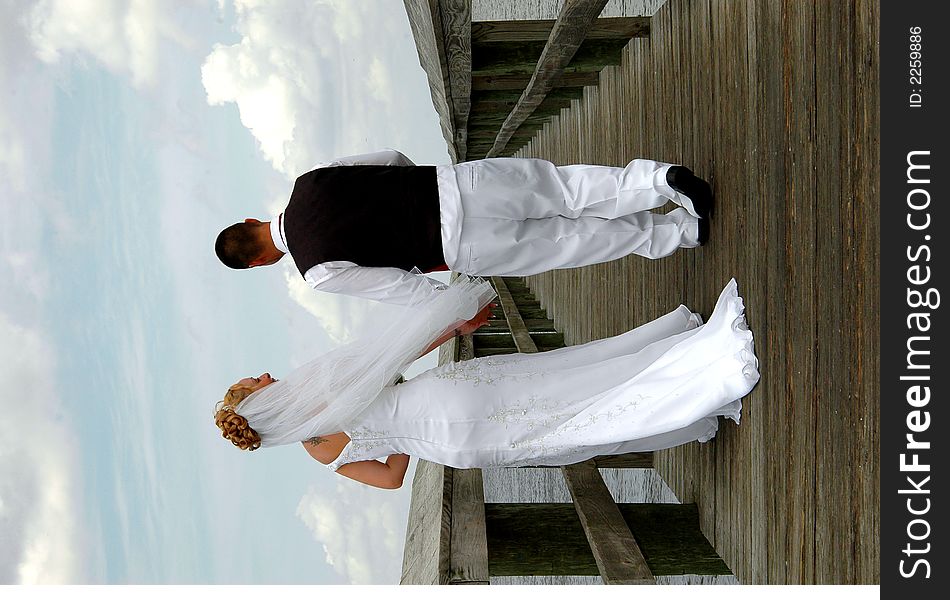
column 233, row 426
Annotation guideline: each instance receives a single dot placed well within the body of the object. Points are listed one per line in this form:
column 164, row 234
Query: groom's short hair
column 237, row 246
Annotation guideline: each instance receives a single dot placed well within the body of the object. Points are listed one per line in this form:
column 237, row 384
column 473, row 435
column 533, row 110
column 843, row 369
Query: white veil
column 326, row 394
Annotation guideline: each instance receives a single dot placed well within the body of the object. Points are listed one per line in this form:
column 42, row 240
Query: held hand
column 477, row 321
column 461, row 328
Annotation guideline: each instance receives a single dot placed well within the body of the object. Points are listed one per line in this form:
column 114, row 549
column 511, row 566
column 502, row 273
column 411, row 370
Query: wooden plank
column 534, row 30
column 466, row 347
column 631, row 460
column 800, row 194
column 753, row 561
column 468, row 561
column 425, row 22
column 536, row 540
column 507, row 10
column 492, row 100
column 519, row 81
column 456, row 25
column 566, row 37
column 495, row 119
column 615, row 551
column 425, row 557
column 732, row 495
column 648, row 137
column 543, row 539
column 428, row 529
column 864, row 279
column 670, row 537
column 835, row 432
column 760, row 486
column 445, row 522
column 466, row 554
column 619, row 559
column 515, row 323
column 702, row 469
column 772, row 310
column 512, row 58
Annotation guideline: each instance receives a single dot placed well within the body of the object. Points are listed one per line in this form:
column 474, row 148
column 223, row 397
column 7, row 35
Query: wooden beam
column 456, row 32
column 486, row 32
column 494, row 121
column 502, row 101
column 465, row 348
column 425, row 20
column 619, row 559
column 515, row 323
column 569, row 32
column 445, row 523
column 428, row 529
column 468, row 561
column 546, row 538
column 512, row 96
column 441, row 30
column 512, row 58
column 519, row 81
column 468, row 540
column 631, row 460
column 537, row 539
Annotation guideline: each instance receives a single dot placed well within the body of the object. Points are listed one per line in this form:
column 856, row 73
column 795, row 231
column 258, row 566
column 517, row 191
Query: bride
column 656, row 386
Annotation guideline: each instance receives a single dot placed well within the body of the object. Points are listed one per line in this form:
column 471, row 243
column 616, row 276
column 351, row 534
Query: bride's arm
column 462, row 328
column 388, row 475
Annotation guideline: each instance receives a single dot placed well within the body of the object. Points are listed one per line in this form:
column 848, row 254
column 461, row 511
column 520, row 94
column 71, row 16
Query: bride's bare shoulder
column 326, row 448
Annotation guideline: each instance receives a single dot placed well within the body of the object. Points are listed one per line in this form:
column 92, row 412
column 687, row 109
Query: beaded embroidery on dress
column 657, row 386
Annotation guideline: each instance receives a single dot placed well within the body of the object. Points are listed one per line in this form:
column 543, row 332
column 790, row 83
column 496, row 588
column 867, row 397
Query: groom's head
column 247, row 244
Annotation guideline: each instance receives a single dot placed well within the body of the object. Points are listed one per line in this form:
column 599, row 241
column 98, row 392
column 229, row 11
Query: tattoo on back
column 316, row 441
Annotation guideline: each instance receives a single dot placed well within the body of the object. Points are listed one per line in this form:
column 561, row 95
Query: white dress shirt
column 385, row 284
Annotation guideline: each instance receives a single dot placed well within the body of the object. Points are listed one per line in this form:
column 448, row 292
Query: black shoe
column 697, row 190
column 703, row 231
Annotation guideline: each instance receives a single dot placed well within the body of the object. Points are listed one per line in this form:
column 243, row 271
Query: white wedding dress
column 657, row 386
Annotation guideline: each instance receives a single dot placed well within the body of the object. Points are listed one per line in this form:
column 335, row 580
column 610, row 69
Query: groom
column 358, row 225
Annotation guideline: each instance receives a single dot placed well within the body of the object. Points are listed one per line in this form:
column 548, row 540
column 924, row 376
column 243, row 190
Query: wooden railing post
column 568, row 33
column 468, row 540
column 619, row 559
column 468, row 545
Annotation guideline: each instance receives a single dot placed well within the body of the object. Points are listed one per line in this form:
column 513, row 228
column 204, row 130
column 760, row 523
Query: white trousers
column 514, row 216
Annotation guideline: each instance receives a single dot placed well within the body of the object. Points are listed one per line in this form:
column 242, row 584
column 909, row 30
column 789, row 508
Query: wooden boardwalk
column 776, row 103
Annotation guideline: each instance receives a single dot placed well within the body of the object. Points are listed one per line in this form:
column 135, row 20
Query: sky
column 131, row 132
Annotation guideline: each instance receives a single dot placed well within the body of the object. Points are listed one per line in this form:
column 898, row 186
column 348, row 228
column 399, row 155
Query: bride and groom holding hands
column 366, row 225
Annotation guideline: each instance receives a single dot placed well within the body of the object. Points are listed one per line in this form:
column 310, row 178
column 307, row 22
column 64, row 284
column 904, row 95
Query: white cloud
column 24, row 109
column 316, row 81
column 12, row 157
column 339, row 315
column 123, row 35
column 30, row 278
column 39, row 495
column 266, row 107
column 378, row 81
column 362, row 529
column 41, row 44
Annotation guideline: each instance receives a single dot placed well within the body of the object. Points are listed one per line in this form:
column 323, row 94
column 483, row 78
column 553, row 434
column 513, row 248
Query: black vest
column 371, row 215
